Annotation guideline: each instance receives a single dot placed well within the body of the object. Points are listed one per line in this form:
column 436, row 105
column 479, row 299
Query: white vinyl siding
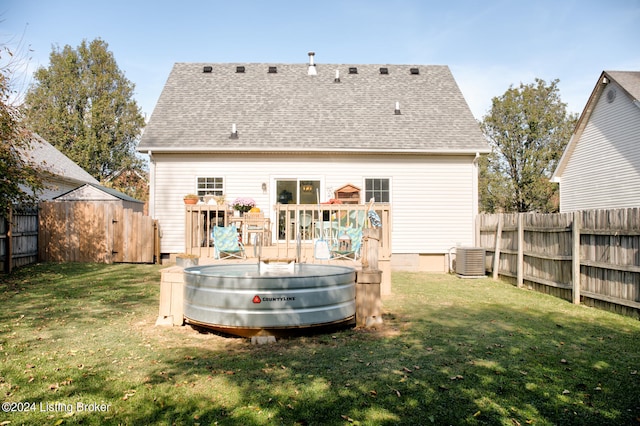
column 433, row 199
column 604, row 168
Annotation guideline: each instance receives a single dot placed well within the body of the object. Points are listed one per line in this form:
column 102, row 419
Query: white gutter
column 219, row 150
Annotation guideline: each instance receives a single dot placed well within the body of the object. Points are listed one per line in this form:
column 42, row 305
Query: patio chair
column 226, row 243
column 347, row 251
column 258, row 225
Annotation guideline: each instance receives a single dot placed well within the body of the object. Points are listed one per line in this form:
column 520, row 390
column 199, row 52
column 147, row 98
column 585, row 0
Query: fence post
column 520, row 265
column 575, row 257
column 496, row 253
column 8, row 250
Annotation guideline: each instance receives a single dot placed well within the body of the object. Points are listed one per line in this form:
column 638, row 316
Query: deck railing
column 308, row 222
column 289, row 223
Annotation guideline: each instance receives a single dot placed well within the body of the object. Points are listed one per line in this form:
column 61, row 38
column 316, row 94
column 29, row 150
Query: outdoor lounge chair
column 226, row 243
column 348, row 251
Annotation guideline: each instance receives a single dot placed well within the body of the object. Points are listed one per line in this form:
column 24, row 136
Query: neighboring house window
column 210, row 186
column 377, row 188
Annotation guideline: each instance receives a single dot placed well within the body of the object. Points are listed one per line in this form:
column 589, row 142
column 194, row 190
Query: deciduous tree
column 20, row 178
column 527, row 128
column 83, row 105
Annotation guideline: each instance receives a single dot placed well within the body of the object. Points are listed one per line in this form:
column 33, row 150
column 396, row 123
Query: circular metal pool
column 246, row 299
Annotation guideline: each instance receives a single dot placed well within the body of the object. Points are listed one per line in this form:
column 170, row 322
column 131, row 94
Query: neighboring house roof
column 56, row 163
column 93, row 192
column 629, row 82
column 291, row 111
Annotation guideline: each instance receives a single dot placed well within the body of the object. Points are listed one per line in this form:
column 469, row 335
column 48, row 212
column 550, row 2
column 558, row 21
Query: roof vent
column 337, row 79
column 353, row 70
column 240, row 69
column 234, row 132
column 384, row 70
column 207, row 69
column 414, row 71
column 312, row 66
column 273, row 70
column 397, row 110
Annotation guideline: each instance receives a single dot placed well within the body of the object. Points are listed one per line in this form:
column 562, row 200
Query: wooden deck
column 286, row 225
column 278, row 252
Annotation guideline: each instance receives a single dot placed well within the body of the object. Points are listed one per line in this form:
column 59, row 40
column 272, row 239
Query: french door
column 296, row 222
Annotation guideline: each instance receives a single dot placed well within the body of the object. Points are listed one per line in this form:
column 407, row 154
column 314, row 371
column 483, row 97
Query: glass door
column 297, row 221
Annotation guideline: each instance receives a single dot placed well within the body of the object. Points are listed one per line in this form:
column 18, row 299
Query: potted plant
column 191, row 199
column 243, row 204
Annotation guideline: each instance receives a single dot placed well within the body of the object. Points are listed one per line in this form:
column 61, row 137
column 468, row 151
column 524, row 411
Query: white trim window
column 210, row 186
column 377, row 188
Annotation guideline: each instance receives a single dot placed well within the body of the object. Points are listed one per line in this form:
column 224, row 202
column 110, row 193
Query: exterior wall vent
column 353, row 70
column 384, row 70
column 273, row 70
column 470, row 262
column 414, row 71
column 240, row 69
column 207, row 69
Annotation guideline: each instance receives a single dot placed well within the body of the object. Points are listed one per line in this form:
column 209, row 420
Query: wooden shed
column 91, row 192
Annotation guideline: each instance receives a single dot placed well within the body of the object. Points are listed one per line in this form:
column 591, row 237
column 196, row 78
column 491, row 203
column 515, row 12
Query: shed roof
column 280, row 107
column 93, row 192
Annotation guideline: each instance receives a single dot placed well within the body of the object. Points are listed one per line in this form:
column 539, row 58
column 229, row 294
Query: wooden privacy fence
column 591, row 256
column 19, row 238
column 96, row 232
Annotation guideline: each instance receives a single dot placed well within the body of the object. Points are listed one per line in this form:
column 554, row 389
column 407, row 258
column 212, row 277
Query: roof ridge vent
column 240, row 69
column 207, row 68
column 273, row 70
column 414, row 71
column 312, row 67
column 353, row 70
column 384, row 70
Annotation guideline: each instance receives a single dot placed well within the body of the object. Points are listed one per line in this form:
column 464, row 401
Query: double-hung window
column 377, row 188
column 210, row 186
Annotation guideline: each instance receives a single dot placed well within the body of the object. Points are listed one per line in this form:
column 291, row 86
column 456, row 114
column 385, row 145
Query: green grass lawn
column 78, row 346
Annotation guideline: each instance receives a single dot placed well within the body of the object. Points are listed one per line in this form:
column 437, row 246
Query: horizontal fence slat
column 610, row 299
column 604, row 265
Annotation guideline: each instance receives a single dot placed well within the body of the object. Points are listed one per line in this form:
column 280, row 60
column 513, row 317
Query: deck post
column 171, row 297
column 368, row 300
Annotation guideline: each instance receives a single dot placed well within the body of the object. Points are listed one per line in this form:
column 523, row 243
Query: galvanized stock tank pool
column 251, row 299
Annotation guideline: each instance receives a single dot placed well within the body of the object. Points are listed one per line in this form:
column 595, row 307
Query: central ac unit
column 470, row 261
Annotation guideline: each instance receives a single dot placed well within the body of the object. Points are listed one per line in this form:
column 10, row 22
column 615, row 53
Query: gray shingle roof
column 55, row 162
column 629, row 80
column 292, row 111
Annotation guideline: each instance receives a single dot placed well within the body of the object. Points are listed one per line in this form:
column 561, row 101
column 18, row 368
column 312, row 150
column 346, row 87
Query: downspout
column 475, row 197
column 152, row 185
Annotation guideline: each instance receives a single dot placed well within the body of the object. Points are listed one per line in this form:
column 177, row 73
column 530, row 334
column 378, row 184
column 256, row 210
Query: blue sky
column 488, row 45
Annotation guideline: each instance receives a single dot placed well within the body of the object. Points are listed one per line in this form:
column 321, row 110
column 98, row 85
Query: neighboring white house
column 402, row 133
column 61, row 175
column 600, row 167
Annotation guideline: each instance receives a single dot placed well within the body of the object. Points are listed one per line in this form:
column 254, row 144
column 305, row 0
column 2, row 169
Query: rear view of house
column 286, row 133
